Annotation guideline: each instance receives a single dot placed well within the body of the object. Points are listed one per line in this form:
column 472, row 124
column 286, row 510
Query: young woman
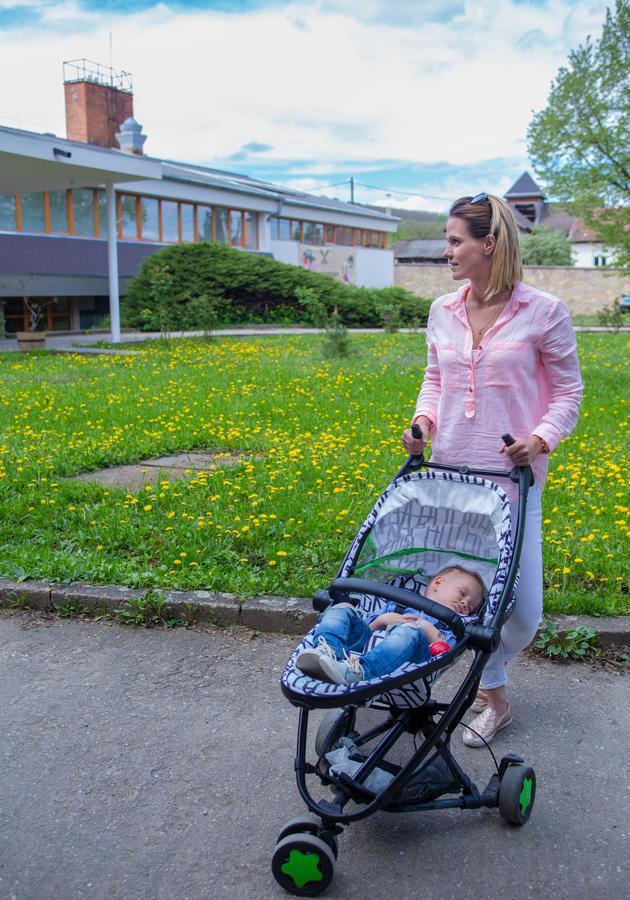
column 502, row 358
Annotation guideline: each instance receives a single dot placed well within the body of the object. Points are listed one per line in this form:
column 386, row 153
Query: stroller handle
column 402, row 597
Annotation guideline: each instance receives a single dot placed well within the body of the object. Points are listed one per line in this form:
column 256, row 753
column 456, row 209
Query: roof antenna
column 111, row 51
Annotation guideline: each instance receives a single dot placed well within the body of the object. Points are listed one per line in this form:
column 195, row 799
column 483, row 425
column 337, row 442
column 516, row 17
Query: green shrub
column 611, row 316
column 573, row 644
column 247, row 287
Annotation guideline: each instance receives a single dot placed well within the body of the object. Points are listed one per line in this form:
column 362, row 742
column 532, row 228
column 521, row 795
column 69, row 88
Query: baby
column 342, row 630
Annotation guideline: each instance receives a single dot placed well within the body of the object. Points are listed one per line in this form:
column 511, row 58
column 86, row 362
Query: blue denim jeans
column 346, row 631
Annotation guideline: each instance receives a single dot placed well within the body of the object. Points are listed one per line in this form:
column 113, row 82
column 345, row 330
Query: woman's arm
column 558, row 350
column 429, row 396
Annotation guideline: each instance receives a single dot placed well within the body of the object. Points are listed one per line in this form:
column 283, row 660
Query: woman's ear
column 489, row 244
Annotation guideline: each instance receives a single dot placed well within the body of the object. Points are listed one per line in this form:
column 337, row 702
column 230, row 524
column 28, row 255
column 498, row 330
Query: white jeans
column 521, row 627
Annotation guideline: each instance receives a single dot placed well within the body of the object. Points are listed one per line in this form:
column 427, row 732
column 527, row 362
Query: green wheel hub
column 302, row 868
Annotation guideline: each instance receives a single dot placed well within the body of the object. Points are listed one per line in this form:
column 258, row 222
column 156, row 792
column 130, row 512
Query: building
column 78, row 215
column 419, row 251
column 530, row 209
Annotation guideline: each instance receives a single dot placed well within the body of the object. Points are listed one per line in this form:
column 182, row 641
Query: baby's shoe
column 341, row 671
column 309, row 661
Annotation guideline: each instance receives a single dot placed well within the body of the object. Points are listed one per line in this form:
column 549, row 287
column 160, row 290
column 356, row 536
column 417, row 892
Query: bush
column 246, row 287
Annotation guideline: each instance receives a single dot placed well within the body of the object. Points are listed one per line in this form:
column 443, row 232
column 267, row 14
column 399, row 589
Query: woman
column 502, row 358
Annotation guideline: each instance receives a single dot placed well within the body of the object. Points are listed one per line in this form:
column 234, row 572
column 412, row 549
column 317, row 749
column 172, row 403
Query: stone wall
column 584, row 291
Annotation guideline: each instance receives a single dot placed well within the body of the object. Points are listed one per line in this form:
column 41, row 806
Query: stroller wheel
column 303, row 865
column 309, row 825
column 334, row 725
column 516, row 793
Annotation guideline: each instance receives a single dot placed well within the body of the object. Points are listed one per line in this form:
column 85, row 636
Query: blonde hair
column 448, row 569
column 493, row 216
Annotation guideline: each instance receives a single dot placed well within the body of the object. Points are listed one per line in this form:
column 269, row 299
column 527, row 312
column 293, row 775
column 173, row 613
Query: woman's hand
column 413, row 445
column 524, row 450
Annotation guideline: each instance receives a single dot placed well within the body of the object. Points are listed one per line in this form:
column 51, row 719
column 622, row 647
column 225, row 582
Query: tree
column 580, row 143
column 546, row 247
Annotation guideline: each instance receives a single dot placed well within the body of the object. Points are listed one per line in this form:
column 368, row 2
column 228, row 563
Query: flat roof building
column 78, row 215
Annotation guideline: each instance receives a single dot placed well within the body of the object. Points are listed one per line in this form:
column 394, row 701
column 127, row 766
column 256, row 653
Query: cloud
column 250, row 149
column 316, row 82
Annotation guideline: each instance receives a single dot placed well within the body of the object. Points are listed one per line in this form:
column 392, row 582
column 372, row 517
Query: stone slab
column 612, row 631
column 205, row 606
column 31, row 593
column 196, row 460
column 94, row 598
column 149, row 471
column 288, row 615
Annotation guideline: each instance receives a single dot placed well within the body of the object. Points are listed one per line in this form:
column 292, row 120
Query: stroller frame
column 507, row 787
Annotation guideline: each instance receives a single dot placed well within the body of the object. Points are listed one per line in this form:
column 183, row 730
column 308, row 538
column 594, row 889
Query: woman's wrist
column 544, row 446
column 426, row 425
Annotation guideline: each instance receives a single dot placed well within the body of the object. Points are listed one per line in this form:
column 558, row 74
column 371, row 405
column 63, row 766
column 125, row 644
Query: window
column 343, row 235
column 83, row 211
column 296, row 231
column 32, row 211
column 170, row 222
column 101, row 214
column 150, row 219
column 7, row 212
column 251, row 236
column 236, row 227
column 284, row 229
column 188, row 221
column 127, row 222
column 204, row 223
column 58, row 205
column 222, row 220
column 329, row 234
column 313, row 233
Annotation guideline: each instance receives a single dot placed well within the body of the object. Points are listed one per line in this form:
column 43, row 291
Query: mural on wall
column 337, row 261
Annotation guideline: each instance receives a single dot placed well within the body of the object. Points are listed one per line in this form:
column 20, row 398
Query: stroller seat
column 407, row 686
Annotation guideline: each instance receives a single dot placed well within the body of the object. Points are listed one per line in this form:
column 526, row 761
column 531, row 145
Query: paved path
column 157, row 765
column 83, row 343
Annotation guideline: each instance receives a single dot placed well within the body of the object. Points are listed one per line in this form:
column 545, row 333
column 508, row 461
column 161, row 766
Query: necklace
column 479, row 329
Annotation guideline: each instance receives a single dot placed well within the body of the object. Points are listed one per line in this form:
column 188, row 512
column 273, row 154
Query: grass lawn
column 324, row 441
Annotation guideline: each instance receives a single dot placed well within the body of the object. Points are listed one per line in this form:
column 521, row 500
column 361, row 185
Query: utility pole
column 351, row 189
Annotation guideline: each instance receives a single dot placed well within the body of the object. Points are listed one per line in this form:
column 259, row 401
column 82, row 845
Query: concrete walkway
column 158, row 765
column 84, row 343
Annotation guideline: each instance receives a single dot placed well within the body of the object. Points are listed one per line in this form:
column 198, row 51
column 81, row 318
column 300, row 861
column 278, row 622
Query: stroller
column 384, row 743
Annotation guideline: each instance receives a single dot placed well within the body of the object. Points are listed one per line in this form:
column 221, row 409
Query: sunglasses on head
column 479, row 198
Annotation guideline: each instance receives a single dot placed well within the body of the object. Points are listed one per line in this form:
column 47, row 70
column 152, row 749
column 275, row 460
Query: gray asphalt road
column 151, row 764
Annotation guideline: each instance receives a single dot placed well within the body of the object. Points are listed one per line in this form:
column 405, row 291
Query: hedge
column 250, row 287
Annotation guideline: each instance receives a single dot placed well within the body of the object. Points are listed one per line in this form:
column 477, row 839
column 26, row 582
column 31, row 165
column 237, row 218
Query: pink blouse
column 523, row 379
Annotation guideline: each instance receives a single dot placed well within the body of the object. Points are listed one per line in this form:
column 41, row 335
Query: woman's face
column 467, row 256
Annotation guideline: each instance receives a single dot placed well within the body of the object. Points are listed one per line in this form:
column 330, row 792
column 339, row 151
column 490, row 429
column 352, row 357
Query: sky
column 424, row 100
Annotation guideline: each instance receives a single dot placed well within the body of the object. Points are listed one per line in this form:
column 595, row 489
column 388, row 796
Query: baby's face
column 460, row 591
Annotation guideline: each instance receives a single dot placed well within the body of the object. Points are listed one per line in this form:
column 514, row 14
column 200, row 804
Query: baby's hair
column 470, row 572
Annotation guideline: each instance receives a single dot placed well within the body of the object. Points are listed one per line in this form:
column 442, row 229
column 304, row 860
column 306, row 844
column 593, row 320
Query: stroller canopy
column 426, row 521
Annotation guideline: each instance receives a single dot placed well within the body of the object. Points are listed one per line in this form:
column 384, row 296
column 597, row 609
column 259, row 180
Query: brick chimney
column 98, row 101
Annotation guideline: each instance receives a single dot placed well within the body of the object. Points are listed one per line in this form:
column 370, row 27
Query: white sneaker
column 309, row 661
